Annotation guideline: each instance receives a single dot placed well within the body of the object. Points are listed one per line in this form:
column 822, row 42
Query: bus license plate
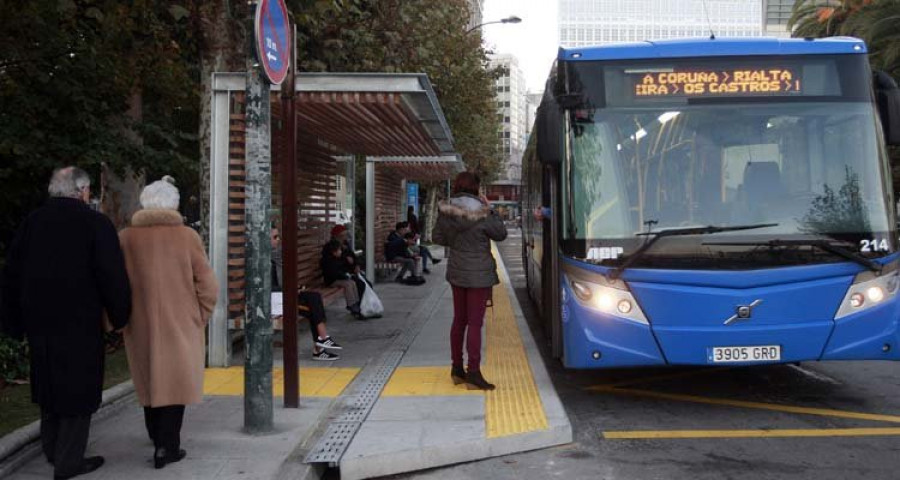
column 759, row 353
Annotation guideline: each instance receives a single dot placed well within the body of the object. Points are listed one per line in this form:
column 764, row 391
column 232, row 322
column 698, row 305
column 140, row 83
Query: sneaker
column 325, row 356
column 435, row 261
column 328, row 343
column 415, row 280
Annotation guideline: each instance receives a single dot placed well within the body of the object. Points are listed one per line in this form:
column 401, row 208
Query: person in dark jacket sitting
column 396, row 250
column 338, row 273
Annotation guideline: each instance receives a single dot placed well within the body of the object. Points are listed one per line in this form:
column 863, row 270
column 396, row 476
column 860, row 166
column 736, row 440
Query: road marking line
column 826, row 412
column 827, row 432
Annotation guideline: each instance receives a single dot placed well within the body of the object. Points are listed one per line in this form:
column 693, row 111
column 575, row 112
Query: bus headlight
column 867, row 294
column 620, row 303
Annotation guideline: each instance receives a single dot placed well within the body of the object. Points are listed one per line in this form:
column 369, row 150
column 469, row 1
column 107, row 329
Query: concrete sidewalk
column 417, row 418
column 422, row 420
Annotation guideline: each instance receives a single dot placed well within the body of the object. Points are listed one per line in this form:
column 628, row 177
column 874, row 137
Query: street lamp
column 509, row 19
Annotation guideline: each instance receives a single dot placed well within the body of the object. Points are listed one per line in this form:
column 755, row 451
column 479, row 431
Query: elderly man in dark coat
column 64, row 269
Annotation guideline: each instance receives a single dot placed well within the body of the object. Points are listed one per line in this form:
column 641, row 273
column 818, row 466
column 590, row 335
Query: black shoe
column 325, row 356
column 163, row 457
column 399, row 279
column 328, row 343
column 457, row 374
column 435, row 261
column 425, row 270
column 475, row 381
column 88, row 465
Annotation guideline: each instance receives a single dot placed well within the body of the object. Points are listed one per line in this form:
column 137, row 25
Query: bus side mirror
column 547, row 129
column 887, row 98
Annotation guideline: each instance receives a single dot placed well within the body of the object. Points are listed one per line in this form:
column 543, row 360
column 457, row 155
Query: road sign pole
column 258, row 395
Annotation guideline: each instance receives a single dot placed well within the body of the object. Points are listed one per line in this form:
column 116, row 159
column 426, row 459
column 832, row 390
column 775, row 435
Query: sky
column 534, row 41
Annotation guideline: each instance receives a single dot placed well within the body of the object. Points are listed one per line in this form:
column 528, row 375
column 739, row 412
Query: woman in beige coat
column 173, row 295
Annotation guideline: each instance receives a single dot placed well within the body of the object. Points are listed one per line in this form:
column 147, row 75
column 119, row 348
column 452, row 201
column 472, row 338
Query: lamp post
column 509, row 19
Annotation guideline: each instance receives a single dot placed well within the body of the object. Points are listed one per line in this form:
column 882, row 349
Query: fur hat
column 161, row 194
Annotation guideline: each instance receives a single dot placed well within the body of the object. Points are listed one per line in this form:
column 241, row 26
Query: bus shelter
column 391, row 122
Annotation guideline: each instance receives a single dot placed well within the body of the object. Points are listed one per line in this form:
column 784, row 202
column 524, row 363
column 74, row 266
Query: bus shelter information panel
column 714, row 82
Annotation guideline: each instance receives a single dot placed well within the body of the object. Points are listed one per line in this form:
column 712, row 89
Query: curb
column 21, row 445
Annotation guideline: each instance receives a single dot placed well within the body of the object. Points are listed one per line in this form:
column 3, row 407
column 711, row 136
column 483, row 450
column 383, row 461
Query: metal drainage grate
column 355, row 406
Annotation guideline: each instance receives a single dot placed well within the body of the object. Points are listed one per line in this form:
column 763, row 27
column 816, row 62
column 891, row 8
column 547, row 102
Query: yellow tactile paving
column 314, row 382
column 515, row 406
column 424, row 381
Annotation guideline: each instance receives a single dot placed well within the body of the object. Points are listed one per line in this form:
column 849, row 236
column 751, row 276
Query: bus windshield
column 791, row 142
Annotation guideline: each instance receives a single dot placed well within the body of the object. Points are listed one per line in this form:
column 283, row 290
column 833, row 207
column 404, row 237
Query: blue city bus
column 714, row 201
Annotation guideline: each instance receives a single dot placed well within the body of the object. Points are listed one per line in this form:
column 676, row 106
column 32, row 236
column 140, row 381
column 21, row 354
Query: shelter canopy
column 395, row 119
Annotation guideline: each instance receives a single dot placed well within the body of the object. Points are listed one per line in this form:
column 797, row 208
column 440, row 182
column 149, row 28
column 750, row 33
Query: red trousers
column 468, row 317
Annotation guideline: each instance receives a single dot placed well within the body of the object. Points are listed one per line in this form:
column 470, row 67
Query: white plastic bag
column 370, row 305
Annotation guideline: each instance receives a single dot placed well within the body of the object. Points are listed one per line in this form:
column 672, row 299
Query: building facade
column 512, row 112
column 476, row 9
column 777, row 14
column 596, row 22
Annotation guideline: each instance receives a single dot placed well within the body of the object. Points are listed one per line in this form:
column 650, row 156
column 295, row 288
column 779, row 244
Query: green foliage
column 404, row 36
column 13, row 359
column 875, row 21
column 87, row 82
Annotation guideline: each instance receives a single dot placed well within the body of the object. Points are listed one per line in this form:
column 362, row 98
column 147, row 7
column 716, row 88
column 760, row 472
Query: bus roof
column 718, row 47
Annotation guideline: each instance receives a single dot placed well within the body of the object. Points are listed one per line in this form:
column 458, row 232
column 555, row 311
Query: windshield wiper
column 822, row 244
column 675, row 232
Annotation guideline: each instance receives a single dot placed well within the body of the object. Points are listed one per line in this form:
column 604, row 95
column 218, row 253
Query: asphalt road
column 810, row 421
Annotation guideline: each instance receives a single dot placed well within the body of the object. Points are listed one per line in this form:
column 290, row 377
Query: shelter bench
column 329, row 295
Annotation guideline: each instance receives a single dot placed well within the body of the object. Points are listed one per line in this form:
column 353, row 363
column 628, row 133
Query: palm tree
column 818, row 18
column 879, row 25
column 875, row 21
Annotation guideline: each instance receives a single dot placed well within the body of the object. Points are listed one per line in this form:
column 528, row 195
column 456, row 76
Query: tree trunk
column 221, row 50
column 120, row 194
column 431, row 210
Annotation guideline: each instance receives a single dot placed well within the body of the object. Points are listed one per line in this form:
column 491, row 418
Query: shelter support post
column 351, row 189
column 370, row 218
column 289, row 248
column 218, row 339
column 258, row 397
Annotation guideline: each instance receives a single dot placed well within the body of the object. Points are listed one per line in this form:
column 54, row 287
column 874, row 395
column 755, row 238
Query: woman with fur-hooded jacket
column 466, row 225
column 173, row 294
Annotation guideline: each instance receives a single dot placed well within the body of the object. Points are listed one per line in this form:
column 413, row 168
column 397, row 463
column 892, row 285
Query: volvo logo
column 742, row 312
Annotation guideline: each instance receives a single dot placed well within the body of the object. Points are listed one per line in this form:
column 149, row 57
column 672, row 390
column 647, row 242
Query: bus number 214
column 873, row 245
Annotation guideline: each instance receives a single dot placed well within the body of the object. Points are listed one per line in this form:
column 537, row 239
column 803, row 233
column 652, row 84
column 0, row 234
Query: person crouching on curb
column 466, row 225
column 174, row 292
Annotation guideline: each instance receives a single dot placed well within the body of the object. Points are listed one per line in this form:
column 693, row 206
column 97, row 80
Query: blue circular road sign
column 273, row 39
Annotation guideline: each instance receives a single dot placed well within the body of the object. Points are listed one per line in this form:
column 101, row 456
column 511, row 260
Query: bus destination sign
column 714, row 83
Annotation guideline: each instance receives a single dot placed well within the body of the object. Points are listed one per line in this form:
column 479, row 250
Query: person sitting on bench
column 396, row 250
column 338, row 273
column 322, row 343
column 339, row 233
